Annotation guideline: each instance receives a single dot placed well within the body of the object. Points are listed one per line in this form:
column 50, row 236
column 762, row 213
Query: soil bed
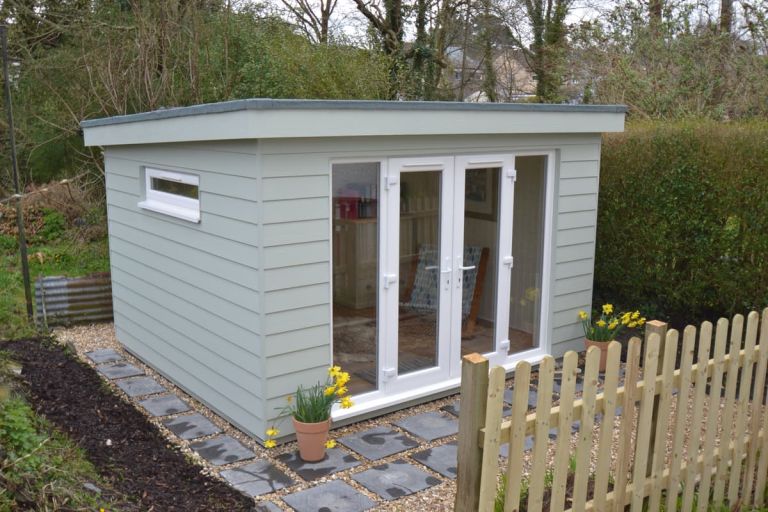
column 137, row 461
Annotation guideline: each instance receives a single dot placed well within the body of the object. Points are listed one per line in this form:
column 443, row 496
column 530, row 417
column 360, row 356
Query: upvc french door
column 428, row 252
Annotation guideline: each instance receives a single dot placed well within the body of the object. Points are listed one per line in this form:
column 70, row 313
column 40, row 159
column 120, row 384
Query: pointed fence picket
column 694, row 430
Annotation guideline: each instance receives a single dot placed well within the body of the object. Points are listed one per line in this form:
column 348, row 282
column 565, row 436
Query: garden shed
column 255, row 242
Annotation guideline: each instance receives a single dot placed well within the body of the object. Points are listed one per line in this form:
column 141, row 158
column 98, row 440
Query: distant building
column 514, row 78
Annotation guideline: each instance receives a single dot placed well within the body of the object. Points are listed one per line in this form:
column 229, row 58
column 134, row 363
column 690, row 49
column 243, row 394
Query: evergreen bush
column 693, row 198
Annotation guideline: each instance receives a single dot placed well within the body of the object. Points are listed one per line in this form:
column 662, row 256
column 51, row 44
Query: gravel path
column 440, row 497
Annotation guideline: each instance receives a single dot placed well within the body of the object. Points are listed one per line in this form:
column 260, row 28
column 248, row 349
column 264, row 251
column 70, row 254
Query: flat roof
column 292, row 118
column 289, row 104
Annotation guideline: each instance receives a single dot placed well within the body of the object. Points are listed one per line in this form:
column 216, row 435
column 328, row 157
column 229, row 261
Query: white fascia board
column 298, row 123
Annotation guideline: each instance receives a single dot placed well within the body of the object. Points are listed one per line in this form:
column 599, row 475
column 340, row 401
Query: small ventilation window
column 172, row 193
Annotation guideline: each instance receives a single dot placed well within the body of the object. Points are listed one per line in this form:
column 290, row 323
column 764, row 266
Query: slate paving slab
column 335, row 460
column 119, row 370
column 140, row 386
column 267, row 506
column 395, row 480
column 222, row 450
column 527, row 445
column 378, row 442
column 191, row 426
column 164, row 405
column 104, row 355
column 257, row 478
column 455, row 408
column 335, row 496
column 430, row 425
column 440, row 459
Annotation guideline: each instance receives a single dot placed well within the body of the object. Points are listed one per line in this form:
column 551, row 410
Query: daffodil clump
column 314, row 404
column 610, row 323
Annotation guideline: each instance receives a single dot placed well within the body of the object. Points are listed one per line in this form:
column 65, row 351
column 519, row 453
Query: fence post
column 660, row 328
column 474, row 390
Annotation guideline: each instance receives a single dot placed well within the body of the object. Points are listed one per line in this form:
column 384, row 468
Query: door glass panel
column 528, row 253
column 420, row 275
column 481, row 241
column 355, row 269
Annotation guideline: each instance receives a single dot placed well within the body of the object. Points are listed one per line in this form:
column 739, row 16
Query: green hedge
column 683, row 219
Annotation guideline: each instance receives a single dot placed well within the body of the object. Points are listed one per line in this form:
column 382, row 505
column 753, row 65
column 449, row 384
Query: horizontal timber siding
column 187, row 296
column 295, row 208
column 574, row 256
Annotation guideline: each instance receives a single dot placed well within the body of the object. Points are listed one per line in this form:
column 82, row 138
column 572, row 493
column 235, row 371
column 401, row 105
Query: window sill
column 173, row 211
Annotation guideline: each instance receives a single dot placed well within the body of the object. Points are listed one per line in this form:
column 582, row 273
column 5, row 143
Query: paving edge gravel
column 438, row 495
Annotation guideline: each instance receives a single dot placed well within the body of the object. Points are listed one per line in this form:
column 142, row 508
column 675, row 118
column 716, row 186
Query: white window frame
column 175, row 205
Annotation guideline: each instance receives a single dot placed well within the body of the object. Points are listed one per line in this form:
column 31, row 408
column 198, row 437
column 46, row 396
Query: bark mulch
column 139, row 463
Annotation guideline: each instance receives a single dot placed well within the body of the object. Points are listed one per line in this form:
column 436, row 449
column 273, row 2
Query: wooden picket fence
column 668, row 446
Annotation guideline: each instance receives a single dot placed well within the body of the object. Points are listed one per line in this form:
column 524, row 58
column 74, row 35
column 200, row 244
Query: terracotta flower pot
column 603, row 346
column 312, row 438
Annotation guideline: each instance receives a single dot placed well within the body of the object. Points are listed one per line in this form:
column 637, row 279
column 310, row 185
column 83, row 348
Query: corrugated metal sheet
column 63, row 300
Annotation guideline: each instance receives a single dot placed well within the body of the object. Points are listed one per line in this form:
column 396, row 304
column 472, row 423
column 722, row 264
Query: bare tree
column 543, row 23
column 313, row 16
column 726, row 16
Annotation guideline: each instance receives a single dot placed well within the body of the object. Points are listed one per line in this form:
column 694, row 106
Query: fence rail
column 679, row 435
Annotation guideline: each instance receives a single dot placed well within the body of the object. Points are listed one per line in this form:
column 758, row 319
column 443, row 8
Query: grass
column 40, row 468
column 63, row 255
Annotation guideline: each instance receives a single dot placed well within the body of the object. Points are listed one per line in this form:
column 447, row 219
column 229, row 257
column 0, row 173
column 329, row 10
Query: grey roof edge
column 293, row 104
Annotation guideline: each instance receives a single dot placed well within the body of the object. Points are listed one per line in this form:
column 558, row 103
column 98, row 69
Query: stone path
column 411, row 471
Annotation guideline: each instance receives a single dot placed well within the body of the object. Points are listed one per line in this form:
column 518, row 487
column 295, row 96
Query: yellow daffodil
column 600, row 323
column 346, row 402
column 270, row 443
column 635, row 315
column 613, row 324
column 607, row 309
column 583, row 315
column 625, row 318
column 329, row 390
column 330, row 444
column 641, row 321
column 342, row 379
column 272, row 432
column 341, row 391
column 333, row 371
column 632, row 324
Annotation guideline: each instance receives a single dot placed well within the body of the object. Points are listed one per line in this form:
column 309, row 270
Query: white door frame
column 387, row 396
column 391, row 381
column 502, row 259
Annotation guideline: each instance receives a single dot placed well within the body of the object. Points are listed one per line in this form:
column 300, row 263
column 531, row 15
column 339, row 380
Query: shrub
column 54, row 225
column 694, row 196
column 7, row 243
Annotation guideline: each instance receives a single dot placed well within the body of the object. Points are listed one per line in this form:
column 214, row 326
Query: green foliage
column 692, row 197
column 112, row 60
column 282, row 64
column 313, row 404
column 65, row 256
column 54, row 225
column 40, row 469
column 18, row 435
column 682, row 68
column 8, row 243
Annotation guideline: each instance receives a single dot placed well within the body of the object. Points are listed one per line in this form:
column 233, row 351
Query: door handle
column 471, row 267
column 435, row 267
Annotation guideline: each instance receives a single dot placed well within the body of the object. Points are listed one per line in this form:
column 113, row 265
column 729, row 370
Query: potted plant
column 601, row 330
column 310, row 410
